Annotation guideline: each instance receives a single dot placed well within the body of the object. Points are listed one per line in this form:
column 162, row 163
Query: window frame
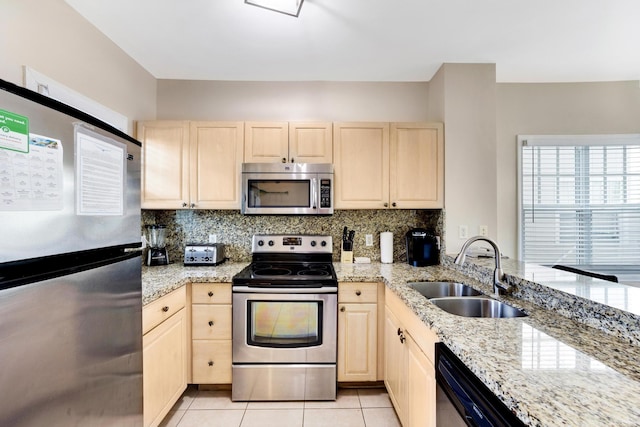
column 554, row 141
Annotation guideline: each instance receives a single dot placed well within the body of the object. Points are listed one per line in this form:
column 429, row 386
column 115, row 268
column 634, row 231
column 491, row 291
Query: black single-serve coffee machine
column 422, row 248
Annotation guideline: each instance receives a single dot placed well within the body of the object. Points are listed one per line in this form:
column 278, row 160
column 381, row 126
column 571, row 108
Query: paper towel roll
column 386, row 247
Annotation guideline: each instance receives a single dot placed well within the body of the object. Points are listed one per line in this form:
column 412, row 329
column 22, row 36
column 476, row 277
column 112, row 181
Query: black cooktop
column 294, row 273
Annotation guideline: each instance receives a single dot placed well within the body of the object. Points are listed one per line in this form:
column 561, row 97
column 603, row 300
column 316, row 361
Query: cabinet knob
column 402, row 339
column 165, row 308
column 292, row 160
column 386, row 205
column 342, row 309
column 210, row 322
column 399, row 331
column 284, row 160
column 193, row 205
column 184, row 204
column 210, row 363
column 393, row 204
column 210, row 294
column 358, row 293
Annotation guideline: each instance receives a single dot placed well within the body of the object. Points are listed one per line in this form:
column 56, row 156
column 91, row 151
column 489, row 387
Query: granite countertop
column 548, row 368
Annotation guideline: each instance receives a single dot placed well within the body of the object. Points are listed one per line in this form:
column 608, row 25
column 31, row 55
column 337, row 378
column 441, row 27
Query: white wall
column 330, row 101
column 463, row 97
column 554, row 108
column 53, row 39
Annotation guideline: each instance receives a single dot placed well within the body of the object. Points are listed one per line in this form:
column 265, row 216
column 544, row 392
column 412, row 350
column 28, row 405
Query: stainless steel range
column 285, row 306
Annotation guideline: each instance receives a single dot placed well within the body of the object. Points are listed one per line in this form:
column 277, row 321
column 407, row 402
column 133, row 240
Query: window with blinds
column 579, row 201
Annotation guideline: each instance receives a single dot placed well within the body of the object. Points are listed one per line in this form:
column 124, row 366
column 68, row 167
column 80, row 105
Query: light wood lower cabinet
column 358, row 331
column 409, row 369
column 164, row 355
column 211, row 333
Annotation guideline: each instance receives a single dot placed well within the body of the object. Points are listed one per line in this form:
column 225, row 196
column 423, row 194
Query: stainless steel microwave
column 287, row 188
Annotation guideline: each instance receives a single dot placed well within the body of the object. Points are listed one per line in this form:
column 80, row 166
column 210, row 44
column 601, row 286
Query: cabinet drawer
column 211, row 293
column 210, row 322
column 357, row 292
column 212, row 361
column 156, row 312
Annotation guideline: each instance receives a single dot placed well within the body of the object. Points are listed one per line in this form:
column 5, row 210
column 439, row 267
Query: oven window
column 271, row 193
column 284, row 324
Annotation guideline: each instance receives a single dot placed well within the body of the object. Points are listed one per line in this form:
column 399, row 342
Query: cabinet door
column 310, row 142
column 357, row 342
column 361, row 160
column 417, row 162
column 164, row 365
column 165, row 164
column 395, row 365
column 421, row 387
column 266, row 142
column 216, row 163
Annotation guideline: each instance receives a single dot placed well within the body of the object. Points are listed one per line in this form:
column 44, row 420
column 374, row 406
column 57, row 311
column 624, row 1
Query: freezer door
column 33, row 226
column 71, row 349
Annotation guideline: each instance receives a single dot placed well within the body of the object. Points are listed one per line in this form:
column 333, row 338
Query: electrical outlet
column 483, row 230
column 463, row 232
column 213, row 238
column 368, row 239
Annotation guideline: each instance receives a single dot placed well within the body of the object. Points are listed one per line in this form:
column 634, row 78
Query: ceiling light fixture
column 288, row 7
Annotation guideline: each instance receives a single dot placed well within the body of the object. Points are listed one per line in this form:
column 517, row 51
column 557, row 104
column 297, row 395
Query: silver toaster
column 203, row 254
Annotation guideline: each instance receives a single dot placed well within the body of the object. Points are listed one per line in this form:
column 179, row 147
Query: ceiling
column 375, row 40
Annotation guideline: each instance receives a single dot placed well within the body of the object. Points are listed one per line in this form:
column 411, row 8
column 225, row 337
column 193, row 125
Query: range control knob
column 260, row 242
column 323, row 243
column 313, row 243
column 271, row 243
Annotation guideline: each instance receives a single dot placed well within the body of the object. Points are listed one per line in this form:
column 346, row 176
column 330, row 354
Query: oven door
column 280, row 193
column 284, row 325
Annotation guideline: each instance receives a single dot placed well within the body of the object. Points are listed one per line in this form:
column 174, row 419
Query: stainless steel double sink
column 463, row 300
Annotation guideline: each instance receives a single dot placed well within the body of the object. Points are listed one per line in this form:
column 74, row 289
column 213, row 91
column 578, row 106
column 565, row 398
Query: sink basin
column 477, row 307
column 443, row 289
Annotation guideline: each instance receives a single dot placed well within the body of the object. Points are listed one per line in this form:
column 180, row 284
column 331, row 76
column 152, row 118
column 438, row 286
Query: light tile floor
column 353, row 408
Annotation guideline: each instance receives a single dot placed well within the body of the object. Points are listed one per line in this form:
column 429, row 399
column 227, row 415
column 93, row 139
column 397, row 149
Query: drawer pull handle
column 210, row 322
column 210, row 362
column 358, row 293
column 210, row 294
column 165, row 308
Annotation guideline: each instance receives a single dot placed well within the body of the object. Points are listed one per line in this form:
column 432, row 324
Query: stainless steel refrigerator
column 70, row 273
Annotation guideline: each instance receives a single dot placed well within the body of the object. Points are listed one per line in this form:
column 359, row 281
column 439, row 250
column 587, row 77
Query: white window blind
column 579, row 201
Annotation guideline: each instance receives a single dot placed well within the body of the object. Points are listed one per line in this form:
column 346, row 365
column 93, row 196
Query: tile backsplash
column 235, row 230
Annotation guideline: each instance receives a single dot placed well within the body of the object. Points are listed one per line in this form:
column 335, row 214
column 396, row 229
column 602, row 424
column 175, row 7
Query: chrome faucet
column 499, row 286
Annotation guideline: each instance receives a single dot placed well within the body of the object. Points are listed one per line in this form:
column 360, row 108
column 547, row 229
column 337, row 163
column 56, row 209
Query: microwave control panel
column 325, row 193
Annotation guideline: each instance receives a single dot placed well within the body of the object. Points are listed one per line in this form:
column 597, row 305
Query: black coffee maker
column 422, row 248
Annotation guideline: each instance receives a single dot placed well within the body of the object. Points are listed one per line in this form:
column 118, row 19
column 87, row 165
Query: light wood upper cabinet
column 389, row 165
column 191, row 164
column 266, row 142
column 361, row 162
column 310, row 142
column 416, row 166
column 216, row 163
column 165, row 163
column 284, row 142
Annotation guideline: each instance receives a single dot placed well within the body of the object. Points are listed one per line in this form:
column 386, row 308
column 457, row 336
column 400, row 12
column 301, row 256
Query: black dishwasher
column 462, row 399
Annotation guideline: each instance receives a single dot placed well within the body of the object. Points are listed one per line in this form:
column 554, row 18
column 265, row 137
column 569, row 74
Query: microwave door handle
column 314, row 193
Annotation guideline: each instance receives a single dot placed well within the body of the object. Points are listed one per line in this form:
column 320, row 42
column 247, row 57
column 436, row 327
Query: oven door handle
column 269, row 289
